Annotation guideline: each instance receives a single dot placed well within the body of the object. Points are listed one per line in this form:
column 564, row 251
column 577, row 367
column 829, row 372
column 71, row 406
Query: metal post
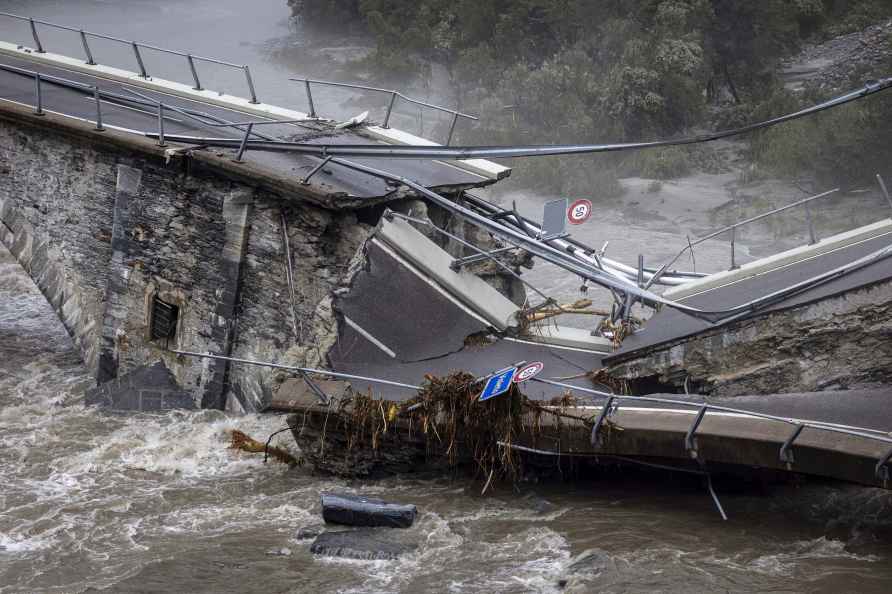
column 883, row 188
column 99, row 127
column 87, row 51
column 244, row 144
column 459, row 262
column 602, row 416
column 289, row 270
column 627, row 306
column 250, row 85
column 389, row 110
column 734, row 265
column 812, row 238
column 197, row 86
column 139, row 62
column 693, row 259
column 786, row 453
column 640, row 270
column 690, row 444
column 452, row 128
column 881, row 471
column 37, row 43
column 315, row 170
column 161, row 125
column 312, row 113
column 38, row 95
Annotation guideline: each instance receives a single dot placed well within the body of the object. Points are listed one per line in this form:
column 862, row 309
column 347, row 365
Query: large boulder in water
column 354, row 510
column 364, row 543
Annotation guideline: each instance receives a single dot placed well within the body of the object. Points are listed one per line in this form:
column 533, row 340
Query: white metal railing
column 85, row 36
column 191, row 59
column 393, row 97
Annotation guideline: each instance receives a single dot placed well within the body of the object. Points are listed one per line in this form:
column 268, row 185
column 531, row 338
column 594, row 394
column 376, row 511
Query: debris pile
column 445, row 427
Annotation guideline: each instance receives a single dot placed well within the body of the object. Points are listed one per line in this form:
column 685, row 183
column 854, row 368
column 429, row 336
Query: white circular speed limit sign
column 579, row 211
column 528, row 371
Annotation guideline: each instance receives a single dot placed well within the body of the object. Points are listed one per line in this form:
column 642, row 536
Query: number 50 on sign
column 579, row 211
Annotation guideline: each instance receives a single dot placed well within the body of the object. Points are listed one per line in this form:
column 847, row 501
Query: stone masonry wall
column 118, row 227
column 102, row 228
column 61, row 239
column 322, row 243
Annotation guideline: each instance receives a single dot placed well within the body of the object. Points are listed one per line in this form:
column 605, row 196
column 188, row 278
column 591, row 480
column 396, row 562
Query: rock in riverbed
column 581, row 569
column 354, row 510
column 308, row 532
column 364, row 543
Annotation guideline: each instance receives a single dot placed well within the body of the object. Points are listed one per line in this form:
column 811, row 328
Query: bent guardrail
column 393, row 97
column 732, row 228
column 192, row 59
column 881, row 470
column 611, row 404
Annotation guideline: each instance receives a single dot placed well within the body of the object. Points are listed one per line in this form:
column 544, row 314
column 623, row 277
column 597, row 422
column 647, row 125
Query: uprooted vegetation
column 445, row 427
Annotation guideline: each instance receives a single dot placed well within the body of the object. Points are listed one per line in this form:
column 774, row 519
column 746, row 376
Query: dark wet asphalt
column 669, row 325
column 332, row 179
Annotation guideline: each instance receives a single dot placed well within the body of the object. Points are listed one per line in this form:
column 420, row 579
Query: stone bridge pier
column 141, row 250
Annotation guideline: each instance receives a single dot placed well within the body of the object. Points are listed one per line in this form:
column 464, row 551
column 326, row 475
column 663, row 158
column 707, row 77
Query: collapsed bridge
column 209, row 250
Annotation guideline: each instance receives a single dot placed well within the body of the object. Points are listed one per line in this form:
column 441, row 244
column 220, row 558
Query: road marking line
column 556, row 346
column 367, row 335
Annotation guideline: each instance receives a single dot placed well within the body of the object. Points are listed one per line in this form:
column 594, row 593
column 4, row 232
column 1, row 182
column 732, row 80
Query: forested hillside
column 563, row 71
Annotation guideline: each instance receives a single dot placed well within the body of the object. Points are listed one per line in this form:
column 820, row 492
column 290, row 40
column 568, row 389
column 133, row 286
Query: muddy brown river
column 96, row 501
column 93, row 501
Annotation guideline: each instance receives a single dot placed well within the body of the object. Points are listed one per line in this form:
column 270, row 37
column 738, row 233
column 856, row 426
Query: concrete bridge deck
column 354, row 188
column 669, row 325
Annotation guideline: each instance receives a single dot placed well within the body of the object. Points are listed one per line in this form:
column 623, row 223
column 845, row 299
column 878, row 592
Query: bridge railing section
column 39, row 79
column 394, row 95
column 732, row 229
column 136, row 48
column 612, row 402
column 162, row 108
column 192, row 60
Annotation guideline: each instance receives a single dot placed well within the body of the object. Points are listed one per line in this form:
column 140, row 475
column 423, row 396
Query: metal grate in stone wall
column 164, row 319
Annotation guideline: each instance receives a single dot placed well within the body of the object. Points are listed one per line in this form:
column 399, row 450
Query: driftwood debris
column 239, row 440
column 580, row 307
column 444, row 428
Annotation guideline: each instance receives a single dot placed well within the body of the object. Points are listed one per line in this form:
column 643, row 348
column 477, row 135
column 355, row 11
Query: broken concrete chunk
column 296, row 392
column 354, row 510
column 366, row 543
